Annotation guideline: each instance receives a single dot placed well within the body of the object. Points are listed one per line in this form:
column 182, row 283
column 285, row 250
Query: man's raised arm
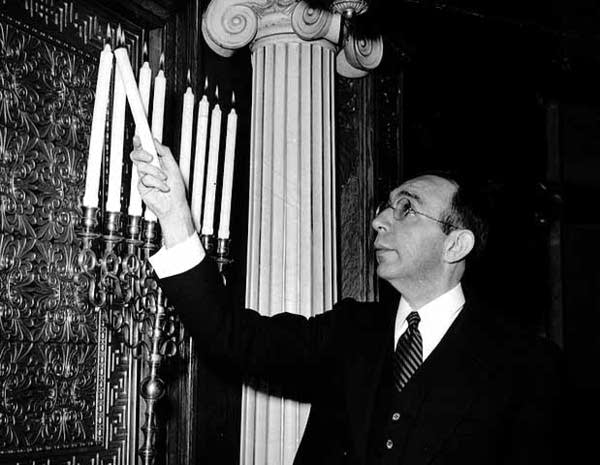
column 163, row 192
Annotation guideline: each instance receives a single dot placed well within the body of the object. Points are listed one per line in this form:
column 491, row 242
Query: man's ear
column 458, row 245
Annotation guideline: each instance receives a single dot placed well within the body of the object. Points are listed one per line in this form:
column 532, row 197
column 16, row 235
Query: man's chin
column 383, row 270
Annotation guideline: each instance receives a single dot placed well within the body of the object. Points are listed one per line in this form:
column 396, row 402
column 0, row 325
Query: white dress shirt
column 436, row 318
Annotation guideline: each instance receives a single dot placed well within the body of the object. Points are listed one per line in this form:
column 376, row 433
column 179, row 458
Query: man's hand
column 163, row 191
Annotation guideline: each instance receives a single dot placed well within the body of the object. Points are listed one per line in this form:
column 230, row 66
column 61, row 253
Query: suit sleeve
column 287, row 349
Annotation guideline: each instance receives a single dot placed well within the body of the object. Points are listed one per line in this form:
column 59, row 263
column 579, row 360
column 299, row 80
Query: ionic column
column 291, row 262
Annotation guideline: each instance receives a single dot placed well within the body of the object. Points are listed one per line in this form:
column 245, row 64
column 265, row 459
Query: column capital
column 358, row 56
column 228, row 25
column 231, row 24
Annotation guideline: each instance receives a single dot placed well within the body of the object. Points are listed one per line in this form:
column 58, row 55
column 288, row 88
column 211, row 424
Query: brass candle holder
column 223, row 255
column 120, row 283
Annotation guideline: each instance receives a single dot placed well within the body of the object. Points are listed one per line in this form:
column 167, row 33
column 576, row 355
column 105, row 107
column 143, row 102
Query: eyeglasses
column 402, row 207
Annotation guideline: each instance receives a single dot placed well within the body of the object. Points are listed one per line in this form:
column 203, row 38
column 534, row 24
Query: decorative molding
column 228, row 25
column 313, row 23
column 74, row 24
column 64, row 382
column 359, row 56
column 350, row 8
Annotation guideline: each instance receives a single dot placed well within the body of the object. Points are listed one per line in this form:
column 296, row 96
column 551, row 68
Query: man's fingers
column 151, row 170
column 152, row 182
column 140, row 155
column 137, row 142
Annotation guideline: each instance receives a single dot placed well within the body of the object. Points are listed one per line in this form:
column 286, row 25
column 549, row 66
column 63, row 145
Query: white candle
column 94, row 163
column 137, row 110
column 185, row 144
column 200, row 160
column 158, row 104
column 211, row 175
column 117, row 133
column 228, row 175
column 145, row 78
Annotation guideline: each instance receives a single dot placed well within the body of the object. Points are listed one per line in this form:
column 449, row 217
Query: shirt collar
column 436, row 317
column 451, row 301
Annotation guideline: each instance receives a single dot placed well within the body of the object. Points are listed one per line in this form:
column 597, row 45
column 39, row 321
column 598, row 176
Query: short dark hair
column 469, row 208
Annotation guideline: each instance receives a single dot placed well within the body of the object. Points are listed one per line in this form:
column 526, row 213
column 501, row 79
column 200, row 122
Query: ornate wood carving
column 77, row 24
column 66, row 383
column 354, row 165
column 369, row 165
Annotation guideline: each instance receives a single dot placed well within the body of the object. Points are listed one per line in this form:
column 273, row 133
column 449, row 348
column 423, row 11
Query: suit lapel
column 363, row 374
column 444, row 387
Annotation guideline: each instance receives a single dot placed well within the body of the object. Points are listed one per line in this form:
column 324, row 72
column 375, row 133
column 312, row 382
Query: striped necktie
column 409, row 352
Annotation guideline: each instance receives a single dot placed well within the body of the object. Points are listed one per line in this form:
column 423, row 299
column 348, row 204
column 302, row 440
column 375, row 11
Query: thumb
column 137, row 142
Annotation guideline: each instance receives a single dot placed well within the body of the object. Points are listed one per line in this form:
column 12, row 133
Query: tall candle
column 117, row 133
column 145, row 79
column 94, row 163
column 200, row 160
column 211, row 175
column 227, row 188
column 187, row 123
column 158, row 102
column 137, row 109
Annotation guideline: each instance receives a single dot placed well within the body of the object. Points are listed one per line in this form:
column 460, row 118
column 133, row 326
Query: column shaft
column 291, row 231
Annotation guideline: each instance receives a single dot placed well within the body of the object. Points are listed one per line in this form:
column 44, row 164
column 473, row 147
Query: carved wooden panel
column 369, row 166
column 65, row 385
column 354, row 167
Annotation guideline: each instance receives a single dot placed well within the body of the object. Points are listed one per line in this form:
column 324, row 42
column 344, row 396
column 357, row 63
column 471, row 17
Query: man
column 425, row 381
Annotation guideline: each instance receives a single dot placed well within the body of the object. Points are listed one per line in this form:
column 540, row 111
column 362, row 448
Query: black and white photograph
column 299, row 232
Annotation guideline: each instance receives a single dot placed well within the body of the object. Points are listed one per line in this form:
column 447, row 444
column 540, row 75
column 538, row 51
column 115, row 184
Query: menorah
column 120, row 283
column 114, row 267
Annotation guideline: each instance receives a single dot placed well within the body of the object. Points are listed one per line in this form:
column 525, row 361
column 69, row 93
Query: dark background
column 508, row 91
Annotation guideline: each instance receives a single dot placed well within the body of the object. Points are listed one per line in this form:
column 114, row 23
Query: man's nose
column 378, row 223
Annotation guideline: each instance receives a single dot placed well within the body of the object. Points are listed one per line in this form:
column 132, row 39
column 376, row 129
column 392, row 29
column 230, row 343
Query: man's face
column 410, row 250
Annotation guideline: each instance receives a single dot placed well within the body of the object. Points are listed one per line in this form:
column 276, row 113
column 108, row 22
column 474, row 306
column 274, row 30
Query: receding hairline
column 406, row 190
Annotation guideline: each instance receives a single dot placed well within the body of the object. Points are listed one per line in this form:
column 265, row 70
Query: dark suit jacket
column 487, row 393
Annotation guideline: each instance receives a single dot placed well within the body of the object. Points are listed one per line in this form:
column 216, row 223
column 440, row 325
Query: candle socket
column 150, row 236
column 113, row 226
column 112, row 223
column 87, row 259
column 133, row 228
column 89, row 219
column 89, row 222
column 222, row 258
column 208, row 243
column 133, row 235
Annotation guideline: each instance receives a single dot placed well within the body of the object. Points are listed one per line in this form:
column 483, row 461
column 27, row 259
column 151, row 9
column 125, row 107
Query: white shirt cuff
column 179, row 258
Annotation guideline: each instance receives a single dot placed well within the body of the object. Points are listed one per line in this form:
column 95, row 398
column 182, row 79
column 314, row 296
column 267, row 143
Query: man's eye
column 404, row 207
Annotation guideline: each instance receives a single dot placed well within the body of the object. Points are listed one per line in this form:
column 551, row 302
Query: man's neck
column 421, row 294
